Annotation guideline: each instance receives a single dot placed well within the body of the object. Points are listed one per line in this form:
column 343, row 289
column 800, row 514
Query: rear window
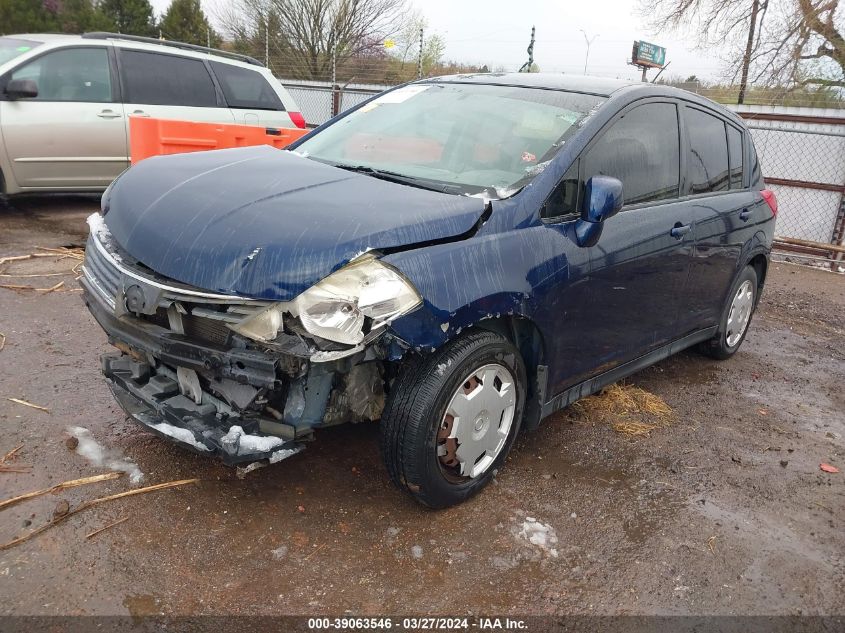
column 11, row 47
column 246, row 89
column 155, row 79
column 708, row 159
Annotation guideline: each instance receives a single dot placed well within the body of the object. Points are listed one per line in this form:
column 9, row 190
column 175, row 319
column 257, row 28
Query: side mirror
column 22, row 89
column 602, row 200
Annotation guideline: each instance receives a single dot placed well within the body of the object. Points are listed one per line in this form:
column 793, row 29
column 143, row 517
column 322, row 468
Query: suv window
column 735, row 156
column 642, row 149
column 245, row 88
column 708, row 160
column 70, row 74
column 156, row 79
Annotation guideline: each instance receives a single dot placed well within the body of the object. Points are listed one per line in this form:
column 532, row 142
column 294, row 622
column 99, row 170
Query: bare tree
column 306, row 33
column 786, row 43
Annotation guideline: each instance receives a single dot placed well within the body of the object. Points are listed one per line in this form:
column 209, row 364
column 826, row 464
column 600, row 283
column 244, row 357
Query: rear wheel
column 736, row 317
column 452, row 417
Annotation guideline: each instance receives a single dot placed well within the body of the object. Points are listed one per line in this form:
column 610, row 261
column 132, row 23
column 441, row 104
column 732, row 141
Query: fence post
column 336, row 95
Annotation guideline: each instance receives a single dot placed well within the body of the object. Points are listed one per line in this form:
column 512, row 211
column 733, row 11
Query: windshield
column 11, row 47
column 467, row 138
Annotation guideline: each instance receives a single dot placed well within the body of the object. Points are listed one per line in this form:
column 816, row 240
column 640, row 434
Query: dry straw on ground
column 629, row 409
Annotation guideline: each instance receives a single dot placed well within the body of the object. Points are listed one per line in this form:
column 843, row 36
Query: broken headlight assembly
column 358, row 299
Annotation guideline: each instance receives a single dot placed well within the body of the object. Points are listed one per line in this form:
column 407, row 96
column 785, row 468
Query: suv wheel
column 451, row 418
column 736, row 317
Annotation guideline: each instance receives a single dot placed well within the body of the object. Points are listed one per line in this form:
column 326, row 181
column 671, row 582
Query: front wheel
column 736, row 317
column 451, row 418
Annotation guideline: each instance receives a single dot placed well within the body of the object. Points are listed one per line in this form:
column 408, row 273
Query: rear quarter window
column 246, row 89
column 735, row 156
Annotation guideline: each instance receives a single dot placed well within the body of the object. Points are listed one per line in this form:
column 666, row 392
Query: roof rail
column 102, row 35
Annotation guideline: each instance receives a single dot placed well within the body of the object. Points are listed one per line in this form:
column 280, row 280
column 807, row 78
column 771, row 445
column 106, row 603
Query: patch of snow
column 417, row 551
column 280, row 552
column 284, row 453
column 540, row 535
column 180, row 434
column 91, row 450
column 444, row 326
column 244, row 443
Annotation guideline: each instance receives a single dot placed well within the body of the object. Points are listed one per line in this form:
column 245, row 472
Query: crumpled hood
column 266, row 223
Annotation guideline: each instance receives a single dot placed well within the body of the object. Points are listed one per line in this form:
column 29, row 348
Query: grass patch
column 628, row 409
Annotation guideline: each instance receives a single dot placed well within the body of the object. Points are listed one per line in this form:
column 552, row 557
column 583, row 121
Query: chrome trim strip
column 207, row 296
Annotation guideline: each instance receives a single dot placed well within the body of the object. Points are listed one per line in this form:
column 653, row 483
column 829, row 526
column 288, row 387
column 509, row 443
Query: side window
column 70, row 74
column 708, row 160
column 642, row 149
column 735, row 156
column 155, row 79
column 564, row 199
column 245, row 88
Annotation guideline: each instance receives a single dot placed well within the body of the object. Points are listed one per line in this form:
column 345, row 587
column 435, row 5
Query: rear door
column 165, row 86
column 639, row 267
column 250, row 97
column 73, row 134
column 725, row 211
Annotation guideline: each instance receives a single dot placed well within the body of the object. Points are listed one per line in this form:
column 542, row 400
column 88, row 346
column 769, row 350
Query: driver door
column 73, row 134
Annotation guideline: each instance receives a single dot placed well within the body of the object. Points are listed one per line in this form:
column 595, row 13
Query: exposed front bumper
column 151, row 397
column 145, row 385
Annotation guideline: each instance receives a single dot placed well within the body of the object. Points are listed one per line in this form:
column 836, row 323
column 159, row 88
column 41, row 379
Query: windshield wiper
column 392, row 176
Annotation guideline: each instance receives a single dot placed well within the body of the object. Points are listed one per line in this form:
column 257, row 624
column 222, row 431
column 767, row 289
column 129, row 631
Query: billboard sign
column 650, row 55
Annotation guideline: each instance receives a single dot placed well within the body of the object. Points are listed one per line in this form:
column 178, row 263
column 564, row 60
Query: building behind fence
column 802, row 151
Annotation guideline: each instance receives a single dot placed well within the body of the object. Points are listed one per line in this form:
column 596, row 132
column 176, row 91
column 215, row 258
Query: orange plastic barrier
column 156, row 137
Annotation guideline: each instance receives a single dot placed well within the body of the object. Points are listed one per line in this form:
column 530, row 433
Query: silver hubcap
column 477, row 421
column 740, row 313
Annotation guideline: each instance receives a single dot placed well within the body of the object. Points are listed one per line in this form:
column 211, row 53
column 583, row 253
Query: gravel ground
column 722, row 511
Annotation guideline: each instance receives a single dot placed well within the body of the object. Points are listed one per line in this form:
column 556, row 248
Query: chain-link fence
column 802, row 152
column 320, row 101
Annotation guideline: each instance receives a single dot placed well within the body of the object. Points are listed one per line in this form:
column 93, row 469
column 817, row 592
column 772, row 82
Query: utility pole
column 526, row 67
column 420, row 56
column 208, row 37
column 589, row 42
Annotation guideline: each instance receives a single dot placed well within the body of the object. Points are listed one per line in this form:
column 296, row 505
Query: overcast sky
column 496, row 33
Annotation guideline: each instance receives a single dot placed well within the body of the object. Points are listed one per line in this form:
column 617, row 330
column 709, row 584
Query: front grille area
column 204, row 315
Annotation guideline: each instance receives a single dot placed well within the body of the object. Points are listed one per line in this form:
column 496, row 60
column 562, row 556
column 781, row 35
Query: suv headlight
column 338, row 307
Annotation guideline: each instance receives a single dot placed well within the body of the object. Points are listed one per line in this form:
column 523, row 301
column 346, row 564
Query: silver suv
column 65, row 102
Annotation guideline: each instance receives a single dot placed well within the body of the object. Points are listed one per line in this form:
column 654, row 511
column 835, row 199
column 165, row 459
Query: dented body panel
column 265, row 223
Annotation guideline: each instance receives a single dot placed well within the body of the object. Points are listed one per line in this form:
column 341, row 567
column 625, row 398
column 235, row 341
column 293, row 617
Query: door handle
column 745, row 215
column 679, row 230
column 109, row 114
column 139, row 113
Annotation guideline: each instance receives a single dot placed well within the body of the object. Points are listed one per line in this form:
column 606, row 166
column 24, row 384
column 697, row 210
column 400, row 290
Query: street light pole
column 589, row 41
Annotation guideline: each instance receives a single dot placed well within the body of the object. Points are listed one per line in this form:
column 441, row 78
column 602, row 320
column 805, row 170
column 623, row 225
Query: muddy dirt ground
column 723, row 511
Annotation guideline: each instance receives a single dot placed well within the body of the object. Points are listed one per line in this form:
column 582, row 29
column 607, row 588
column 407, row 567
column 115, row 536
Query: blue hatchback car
column 457, row 258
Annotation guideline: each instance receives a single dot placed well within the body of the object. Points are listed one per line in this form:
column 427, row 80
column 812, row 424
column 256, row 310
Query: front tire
column 736, row 317
column 452, row 417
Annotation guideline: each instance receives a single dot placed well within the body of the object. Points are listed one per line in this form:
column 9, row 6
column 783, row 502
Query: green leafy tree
column 132, row 17
column 27, row 16
column 185, row 21
column 79, row 16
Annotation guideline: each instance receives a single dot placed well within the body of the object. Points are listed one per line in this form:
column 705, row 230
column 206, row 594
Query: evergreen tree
column 185, row 21
column 80, row 16
column 28, row 16
column 132, row 17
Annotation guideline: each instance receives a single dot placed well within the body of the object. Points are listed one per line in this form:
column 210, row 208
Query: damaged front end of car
column 242, row 378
